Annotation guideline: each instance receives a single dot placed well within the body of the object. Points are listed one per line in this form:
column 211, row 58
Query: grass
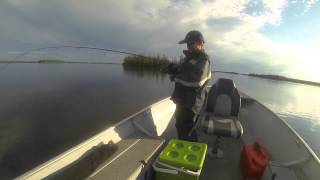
column 147, row 62
column 49, row 61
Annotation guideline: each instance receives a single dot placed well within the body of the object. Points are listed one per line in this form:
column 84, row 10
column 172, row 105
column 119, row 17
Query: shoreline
column 283, row 78
column 54, row 62
column 274, row 77
column 264, row 76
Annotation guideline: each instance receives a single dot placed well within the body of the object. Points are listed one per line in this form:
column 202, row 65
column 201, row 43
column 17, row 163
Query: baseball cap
column 192, row 36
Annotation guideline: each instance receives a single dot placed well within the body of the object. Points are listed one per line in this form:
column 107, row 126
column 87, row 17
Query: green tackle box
column 180, row 160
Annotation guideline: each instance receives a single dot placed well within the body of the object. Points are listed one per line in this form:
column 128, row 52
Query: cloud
column 224, row 24
column 231, row 28
column 308, row 5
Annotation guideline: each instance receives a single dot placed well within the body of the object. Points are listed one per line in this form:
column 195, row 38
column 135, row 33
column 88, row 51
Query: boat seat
column 221, row 111
column 222, row 126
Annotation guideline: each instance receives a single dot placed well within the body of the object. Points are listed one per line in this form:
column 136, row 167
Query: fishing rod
column 73, row 47
column 78, row 47
column 68, row 46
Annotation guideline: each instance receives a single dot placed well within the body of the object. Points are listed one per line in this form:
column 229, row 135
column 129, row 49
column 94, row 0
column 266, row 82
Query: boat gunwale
column 305, row 144
column 60, row 156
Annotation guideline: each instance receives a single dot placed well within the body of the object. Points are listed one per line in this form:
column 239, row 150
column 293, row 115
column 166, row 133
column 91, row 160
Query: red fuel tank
column 254, row 159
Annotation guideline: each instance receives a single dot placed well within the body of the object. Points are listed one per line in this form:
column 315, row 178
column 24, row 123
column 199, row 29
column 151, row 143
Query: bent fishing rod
column 72, row 47
column 67, row 46
column 78, row 47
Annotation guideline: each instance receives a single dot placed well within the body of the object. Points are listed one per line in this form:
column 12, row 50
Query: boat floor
column 225, row 168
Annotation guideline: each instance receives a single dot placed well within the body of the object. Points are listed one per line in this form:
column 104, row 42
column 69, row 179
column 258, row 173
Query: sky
column 248, row 36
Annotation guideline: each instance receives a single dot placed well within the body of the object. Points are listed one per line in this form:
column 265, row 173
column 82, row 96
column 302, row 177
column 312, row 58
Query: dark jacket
column 191, row 79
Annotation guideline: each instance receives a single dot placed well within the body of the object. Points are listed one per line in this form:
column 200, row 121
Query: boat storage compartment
column 254, row 160
column 180, row 160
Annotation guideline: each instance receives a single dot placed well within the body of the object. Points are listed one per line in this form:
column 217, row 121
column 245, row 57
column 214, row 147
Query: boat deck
column 225, row 168
column 135, row 150
column 127, row 161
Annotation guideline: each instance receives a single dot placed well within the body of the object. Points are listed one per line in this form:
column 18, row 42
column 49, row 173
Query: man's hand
column 173, row 68
column 172, row 76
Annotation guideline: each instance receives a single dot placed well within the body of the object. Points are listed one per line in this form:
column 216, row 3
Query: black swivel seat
column 221, row 112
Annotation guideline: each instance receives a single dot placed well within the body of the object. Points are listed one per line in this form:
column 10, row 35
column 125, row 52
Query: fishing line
column 68, row 46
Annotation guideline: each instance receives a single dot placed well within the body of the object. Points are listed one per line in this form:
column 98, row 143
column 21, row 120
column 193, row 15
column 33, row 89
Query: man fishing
column 190, row 77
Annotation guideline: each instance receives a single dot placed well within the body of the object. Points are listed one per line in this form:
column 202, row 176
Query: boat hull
column 286, row 147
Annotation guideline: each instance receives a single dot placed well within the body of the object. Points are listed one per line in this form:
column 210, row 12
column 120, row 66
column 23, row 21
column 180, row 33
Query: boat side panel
column 284, row 145
column 115, row 134
column 267, row 129
column 161, row 113
column 155, row 121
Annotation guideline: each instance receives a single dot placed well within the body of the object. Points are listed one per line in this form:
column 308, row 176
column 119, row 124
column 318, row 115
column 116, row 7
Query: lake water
column 48, row 108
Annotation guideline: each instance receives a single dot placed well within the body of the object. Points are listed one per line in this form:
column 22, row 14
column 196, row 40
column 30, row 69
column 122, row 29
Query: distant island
column 229, row 72
column 54, row 61
column 13, row 61
column 283, row 78
column 272, row 77
column 156, row 63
